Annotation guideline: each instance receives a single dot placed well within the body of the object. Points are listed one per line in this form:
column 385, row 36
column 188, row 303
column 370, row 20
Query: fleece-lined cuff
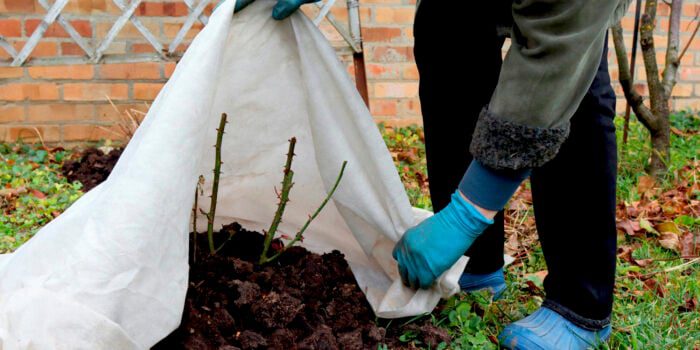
column 488, row 188
column 502, row 144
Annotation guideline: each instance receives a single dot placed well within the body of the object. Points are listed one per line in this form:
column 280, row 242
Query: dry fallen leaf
column 653, row 285
column 409, row 156
column 646, row 225
column 625, row 253
column 642, row 262
column 668, row 226
column 690, row 245
column 630, row 227
column 670, row 241
column 38, row 194
column 12, row 191
column 690, row 305
column 645, row 184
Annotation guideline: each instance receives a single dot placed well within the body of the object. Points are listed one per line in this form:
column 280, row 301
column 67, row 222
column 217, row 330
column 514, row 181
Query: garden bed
column 91, row 167
column 300, row 301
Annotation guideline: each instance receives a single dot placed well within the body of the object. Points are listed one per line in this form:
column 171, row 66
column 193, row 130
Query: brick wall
column 68, row 103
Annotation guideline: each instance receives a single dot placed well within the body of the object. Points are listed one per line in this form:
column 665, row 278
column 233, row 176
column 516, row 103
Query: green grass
column 32, row 191
column 645, row 316
column 634, row 156
column 651, row 315
column 407, row 148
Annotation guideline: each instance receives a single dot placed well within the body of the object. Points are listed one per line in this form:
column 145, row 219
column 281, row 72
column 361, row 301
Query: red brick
column 627, row 23
column 95, row 92
column 383, row 71
column 107, row 112
column 149, row 8
column 76, row 72
column 169, row 69
column 146, row 91
column 28, row 91
column 83, row 27
column 59, row 112
column 24, row 6
column 142, row 48
column 408, row 33
column 42, row 49
column 71, row 49
column 690, row 73
column 170, row 30
column 10, row 28
column 11, row 113
column 91, row 132
column 686, row 103
column 641, row 88
column 131, row 71
column 129, row 31
column 175, row 9
column 383, row 107
column 388, row 54
column 395, row 89
column 683, row 90
column 662, row 10
column 410, row 72
column 49, row 133
column 691, row 10
column 381, row 34
column 86, row 6
column 394, row 15
column 341, row 14
column 11, row 72
column 409, row 107
column 45, row 49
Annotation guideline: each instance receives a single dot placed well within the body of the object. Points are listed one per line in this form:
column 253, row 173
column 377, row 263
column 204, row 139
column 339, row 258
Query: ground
column 658, row 278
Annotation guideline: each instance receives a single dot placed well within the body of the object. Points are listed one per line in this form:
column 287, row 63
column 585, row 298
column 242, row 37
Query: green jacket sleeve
column 556, row 47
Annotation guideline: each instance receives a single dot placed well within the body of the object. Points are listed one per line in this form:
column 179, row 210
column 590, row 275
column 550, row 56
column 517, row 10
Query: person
column 544, row 112
column 549, row 115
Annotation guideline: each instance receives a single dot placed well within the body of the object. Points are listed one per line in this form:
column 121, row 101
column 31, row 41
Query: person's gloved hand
column 282, row 10
column 433, row 246
column 285, row 8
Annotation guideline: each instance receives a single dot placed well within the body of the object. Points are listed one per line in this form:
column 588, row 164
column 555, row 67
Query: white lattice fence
column 98, row 52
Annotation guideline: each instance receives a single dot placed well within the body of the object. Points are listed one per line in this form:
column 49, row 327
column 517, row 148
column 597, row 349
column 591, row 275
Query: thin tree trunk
column 655, row 117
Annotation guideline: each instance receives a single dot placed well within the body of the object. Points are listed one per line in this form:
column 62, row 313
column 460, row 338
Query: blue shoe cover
column 547, row 330
column 495, row 282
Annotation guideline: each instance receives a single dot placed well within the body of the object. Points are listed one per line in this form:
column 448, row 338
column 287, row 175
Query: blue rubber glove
column 285, row 8
column 282, row 10
column 431, row 248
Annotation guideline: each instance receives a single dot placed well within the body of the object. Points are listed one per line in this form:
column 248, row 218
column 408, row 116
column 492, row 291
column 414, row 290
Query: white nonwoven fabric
column 111, row 271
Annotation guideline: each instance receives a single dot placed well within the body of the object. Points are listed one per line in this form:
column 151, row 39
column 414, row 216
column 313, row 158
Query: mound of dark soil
column 301, row 301
column 92, row 167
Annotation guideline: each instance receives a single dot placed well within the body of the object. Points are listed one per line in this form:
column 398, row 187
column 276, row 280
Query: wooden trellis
column 97, row 54
column 196, row 13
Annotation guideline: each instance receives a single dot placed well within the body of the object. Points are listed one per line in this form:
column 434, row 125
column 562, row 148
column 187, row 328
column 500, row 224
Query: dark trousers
column 573, row 195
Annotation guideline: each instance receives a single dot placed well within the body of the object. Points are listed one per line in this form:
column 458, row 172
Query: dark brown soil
column 301, row 301
column 92, row 167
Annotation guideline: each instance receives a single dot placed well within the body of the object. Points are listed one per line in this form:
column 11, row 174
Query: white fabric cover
column 111, row 271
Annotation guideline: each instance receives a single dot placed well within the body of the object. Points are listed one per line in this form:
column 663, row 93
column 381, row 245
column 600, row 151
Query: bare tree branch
column 672, row 57
column 646, row 41
column 692, row 36
column 635, row 100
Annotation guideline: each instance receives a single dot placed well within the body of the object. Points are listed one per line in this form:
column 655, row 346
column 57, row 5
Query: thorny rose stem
column 215, row 187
